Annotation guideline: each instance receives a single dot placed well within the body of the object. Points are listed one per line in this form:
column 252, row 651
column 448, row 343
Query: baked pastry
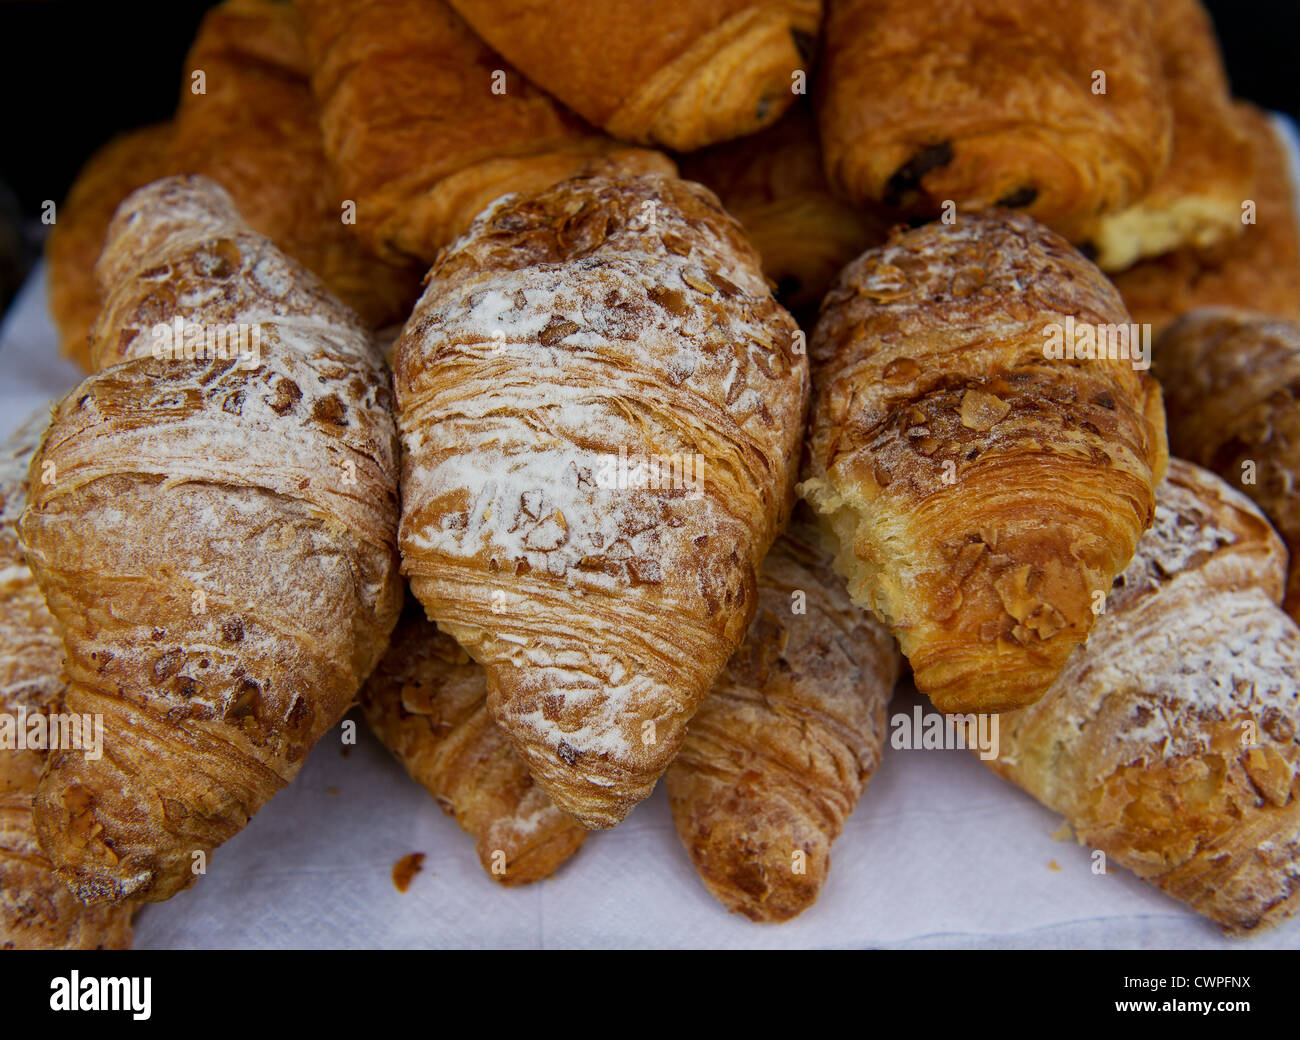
column 427, row 703
column 996, row 103
column 681, row 74
column 416, row 129
column 1231, row 379
column 782, row 748
column 216, row 540
column 1197, row 200
column 1256, row 270
column 36, row 910
column 772, row 182
column 256, row 132
column 127, row 162
column 600, row 406
column 1169, row 741
column 981, row 488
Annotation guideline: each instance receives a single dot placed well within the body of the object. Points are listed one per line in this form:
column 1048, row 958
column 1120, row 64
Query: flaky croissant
column 1232, row 379
column 600, row 406
column 425, row 124
column 1197, row 200
column 427, row 703
column 1170, row 740
column 782, row 748
column 216, row 538
column 1057, row 109
column 36, row 909
column 982, row 489
column 680, row 74
column 1259, row 269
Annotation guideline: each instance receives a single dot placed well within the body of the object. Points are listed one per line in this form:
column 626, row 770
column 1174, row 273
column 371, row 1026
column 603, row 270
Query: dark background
column 74, row 74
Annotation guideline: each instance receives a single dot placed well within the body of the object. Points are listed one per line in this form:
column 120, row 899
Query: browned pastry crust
column 127, row 162
column 599, row 316
column 1256, row 270
column 256, row 132
column 217, row 544
column 772, row 182
column 427, row 703
column 1232, row 382
column 980, row 491
column 1170, row 740
column 1197, row 201
column 991, row 103
column 36, row 909
column 783, row 746
column 678, row 73
column 415, row 133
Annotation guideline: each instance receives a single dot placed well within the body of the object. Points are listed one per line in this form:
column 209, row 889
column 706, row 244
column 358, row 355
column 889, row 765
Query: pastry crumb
column 1053, row 865
column 1064, row 832
column 405, row 869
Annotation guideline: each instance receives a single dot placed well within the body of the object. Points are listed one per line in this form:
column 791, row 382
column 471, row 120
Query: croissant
column 215, row 536
column 1231, row 379
column 600, row 406
column 1197, row 200
column 418, row 133
column 998, row 103
column 681, row 75
column 127, row 162
column 1169, row 741
column 427, row 703
column 36, row 910
column 982, row 490
column 1259, row 269
column 782, row 748
column 773, row 184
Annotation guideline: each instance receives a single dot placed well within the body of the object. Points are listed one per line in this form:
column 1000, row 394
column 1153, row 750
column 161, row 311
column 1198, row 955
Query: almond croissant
column 782, row 748
column 1170, row 740
column 983, row 487
column 427, row 703
column 36, row 910
column 600, row 406
column 216, row 537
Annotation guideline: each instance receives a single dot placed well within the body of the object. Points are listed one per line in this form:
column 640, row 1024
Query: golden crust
column 127, row 162
column 785, row 743
column 1231, row 381
column 681, row 76
column 218, row 545
column 1197, row 200
column 1258, row 269
column 427, row 703
column 36, row 910
column 1170, row 740
column 772, row 182
column 415, row 133
column 601, row 315
column 980, row 492
column 990, row 104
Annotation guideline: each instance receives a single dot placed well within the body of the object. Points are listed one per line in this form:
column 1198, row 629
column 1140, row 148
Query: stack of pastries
column 441, row 360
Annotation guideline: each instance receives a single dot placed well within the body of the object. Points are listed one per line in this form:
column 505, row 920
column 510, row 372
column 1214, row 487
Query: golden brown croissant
column 600, row 405
column 680, row 74
column 420, row 135
column 981, row 491
column 427, row 703
column 772, row 182
column 1197, row 200
column 1169, row 741
column 255, row 131
column 997, row 103
column 216, row 538
column 1258, row 269
column 782, row 748
column 1231, row 380
column 127, row 162
column 36, row 910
